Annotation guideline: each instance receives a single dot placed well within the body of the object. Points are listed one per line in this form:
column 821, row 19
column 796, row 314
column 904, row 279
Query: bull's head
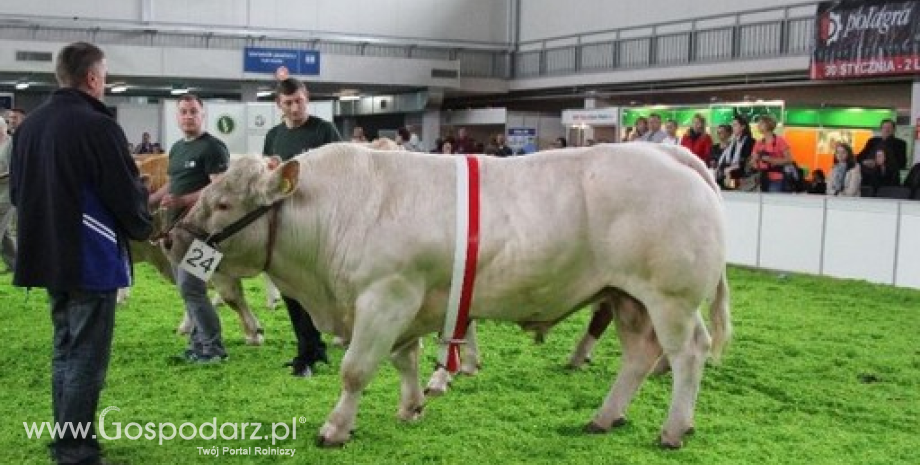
column 250, row 183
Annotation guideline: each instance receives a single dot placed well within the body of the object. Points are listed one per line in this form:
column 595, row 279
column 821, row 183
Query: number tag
column 201, row 260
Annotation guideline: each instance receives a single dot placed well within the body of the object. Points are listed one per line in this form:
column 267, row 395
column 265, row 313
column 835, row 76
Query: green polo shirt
column 290, row 142
column 192, row 162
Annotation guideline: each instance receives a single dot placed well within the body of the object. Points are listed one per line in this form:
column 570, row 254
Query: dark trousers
column 310, row 345
column 83, row 323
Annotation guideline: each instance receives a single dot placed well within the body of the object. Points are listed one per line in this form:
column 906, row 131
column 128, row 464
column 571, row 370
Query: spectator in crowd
column 501, row 146
column 818, row 184
column 846, row 177
column 14, row 117
column 157, row 148
column 895, row 149
column 145, row 147
column 654, row 134
column 357, row 135
column 447, row 147
column 80, row 202
column 640, row 131
column 881, row 173
column 463, row 143
column 770, row 156
column 559, row 143
column 194, row 162
column 438, row 146
column 414, row 143
column 402, row 138
column 298, row 133
column 697, row 139
column 724, row 136
column 7, row 212
column 670, row 131
column 734, row 162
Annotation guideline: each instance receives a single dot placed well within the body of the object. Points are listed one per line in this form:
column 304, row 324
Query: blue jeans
column 83, row 323
column 205, row 337
column 774, row 186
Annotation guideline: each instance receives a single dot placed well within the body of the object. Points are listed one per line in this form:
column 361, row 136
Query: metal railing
column 789, row 31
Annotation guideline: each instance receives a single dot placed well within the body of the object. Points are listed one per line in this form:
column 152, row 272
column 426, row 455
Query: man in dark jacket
column 895, row 148
column 80, row 200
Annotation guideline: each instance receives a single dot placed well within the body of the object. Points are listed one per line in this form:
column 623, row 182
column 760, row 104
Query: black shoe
column 301, row 370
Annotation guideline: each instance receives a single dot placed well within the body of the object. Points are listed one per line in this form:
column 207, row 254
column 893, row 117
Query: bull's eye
column 223, row 206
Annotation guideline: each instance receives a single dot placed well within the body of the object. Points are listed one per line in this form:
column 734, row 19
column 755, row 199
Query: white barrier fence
column 863, row 238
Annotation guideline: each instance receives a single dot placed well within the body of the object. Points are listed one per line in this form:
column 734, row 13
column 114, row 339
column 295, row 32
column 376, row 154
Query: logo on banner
column 831, row 24
column 260, row 121
column 226, row 124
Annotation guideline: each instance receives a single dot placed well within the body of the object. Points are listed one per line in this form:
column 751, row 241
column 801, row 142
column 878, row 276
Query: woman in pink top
column 771, row 155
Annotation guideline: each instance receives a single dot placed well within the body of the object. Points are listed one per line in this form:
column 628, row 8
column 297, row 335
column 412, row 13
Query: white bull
column 366, row 238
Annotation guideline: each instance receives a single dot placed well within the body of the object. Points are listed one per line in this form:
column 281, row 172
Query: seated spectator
column 463, row 143
column 402, row 138
column 846, row 177
column 818, row 184
column 438, row 146
column 640, row 131
column 559, row 143
column 895, row 148
column 881, row 173
column 145, row 147
column 697, row 139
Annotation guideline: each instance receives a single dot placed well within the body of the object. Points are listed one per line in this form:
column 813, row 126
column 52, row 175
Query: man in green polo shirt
column 194, row 162
column 299, row 133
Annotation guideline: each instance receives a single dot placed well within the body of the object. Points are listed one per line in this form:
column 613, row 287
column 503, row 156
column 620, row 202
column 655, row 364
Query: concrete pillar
column 915, row 121
column 248, row 91
column 431, row 128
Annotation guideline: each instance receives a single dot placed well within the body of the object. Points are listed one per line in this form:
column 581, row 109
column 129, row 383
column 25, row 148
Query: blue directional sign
column 268, row 60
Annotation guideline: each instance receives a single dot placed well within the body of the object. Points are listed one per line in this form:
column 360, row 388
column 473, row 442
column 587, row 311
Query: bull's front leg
column 382, row 313
column 231, row 291
column 441, row 379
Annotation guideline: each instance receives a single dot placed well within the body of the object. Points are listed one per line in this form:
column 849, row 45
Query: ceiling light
column 179, row 90
column 119, row 88
column 349, row 98
column 22, row 85
column 264, row 93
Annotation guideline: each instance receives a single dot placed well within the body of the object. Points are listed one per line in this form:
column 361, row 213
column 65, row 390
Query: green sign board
column 226, row 124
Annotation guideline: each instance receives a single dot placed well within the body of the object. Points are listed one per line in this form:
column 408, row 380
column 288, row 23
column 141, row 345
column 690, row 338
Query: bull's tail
column 720, row 319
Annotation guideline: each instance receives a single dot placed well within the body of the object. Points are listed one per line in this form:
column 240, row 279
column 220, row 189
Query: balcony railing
column 758, row 34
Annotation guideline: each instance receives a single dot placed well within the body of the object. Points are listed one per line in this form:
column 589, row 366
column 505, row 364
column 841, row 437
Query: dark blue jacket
column 78, row 195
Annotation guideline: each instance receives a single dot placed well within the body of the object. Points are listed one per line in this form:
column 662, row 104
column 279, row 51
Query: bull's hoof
column 670, row 445
column 594, row 428
column 256, row 340
column 327, row 443
column 435, row 391
column 470, row 370
column 411, row 415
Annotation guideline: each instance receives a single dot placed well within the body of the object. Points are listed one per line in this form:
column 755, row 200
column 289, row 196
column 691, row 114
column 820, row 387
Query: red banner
column 858, row 39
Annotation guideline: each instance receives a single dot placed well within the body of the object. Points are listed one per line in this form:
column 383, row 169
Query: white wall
column 542, row 19
column 870, row 239
column 464, row 20
column 138, row 118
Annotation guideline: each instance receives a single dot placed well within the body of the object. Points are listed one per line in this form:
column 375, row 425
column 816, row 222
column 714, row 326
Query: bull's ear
column 290, row 176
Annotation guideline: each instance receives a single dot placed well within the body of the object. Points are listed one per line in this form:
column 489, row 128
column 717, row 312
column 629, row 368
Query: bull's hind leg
column 382, row 314
column 600, row 320
column 231, row 291
column 686, row 344
column 640, row 351
column 411, row 399
column 470, row 363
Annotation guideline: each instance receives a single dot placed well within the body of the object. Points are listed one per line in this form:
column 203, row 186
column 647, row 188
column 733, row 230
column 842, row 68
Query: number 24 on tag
column 201, row 260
